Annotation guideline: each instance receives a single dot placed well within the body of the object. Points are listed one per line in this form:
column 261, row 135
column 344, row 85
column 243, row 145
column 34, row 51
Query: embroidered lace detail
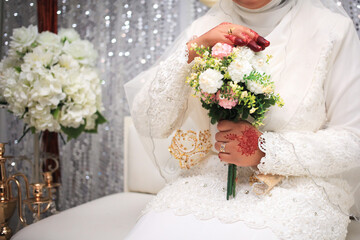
column 262, row 144
column 313, row 105
column 319, row 154
column 163, row 98
column 189, row 148
column 203, row 195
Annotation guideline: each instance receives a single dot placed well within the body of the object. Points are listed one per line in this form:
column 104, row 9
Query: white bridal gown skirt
column 166, row 225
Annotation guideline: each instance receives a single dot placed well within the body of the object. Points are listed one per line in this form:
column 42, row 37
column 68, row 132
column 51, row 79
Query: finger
column 239, row 42
column 225, row 136
column 227, row 39
column 254, row 46
column 224, row 157
column 218, row 147
column 262, row 42
column 225, row 125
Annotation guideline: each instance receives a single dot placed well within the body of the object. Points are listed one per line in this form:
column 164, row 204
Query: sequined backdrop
column 129, row 37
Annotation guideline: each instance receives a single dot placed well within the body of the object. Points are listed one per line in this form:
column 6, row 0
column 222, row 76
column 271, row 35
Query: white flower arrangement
column 50, row 82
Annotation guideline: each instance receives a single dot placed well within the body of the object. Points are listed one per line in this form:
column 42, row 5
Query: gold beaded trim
column 189, row 147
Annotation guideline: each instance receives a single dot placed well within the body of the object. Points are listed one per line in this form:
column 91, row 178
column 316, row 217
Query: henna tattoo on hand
column 247, row 142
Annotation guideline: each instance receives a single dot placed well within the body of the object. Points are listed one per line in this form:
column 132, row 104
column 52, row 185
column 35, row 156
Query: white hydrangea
column 210, row 81
column 238, row 69
column 53, row 84
column 23, row 38
column 254, row 87
column 68, row 34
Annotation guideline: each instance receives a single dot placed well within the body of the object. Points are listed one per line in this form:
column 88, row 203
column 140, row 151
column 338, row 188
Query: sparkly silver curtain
column 129, row 36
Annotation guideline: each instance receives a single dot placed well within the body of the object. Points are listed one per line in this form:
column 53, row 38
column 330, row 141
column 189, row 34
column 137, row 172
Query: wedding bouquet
column 50, row 82
column 232, row 84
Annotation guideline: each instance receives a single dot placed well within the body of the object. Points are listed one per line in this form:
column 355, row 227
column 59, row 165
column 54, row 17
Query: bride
column 307, row 161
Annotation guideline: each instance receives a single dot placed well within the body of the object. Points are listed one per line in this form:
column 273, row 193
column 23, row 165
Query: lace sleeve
column 162, row 100
column 322, row 154
column 336, row 148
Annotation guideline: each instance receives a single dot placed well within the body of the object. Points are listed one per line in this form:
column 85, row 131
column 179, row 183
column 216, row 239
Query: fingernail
column 262, row 41
column 239, row 42
column 253, row 46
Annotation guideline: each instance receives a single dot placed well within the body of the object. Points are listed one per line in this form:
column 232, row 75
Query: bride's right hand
column 232, row 34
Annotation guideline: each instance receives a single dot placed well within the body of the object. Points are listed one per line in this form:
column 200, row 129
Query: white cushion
column 110, row 217
column 140, row 173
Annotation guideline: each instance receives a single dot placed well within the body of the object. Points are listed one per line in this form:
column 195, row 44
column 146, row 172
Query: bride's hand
column 232, row 34
column 241, row 143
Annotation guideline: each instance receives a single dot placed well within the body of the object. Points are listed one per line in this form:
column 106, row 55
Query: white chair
column 112, row 217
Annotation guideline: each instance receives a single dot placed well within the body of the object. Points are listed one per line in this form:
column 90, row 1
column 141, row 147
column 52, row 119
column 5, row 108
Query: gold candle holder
column 39, row 203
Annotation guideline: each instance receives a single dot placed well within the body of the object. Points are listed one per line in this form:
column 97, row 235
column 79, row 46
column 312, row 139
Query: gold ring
column 222, row 147
column 230, row 31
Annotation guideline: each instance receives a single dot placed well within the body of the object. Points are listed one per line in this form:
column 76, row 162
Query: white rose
column 23, row 37
column 49, row 39
column 254, row 87
column 238, row 69
column 210, row 81
column 68, row 34
column 81, row 50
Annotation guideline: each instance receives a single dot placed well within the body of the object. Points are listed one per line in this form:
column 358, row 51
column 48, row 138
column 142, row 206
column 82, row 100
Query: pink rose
column 207, row 98
column 227, row 102
column 221, row 50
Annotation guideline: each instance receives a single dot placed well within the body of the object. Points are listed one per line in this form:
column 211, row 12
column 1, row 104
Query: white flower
column 81, row 50
column 68, row 34
column 238, row 69
column 23, row 37
column 244, row 94
column 210, row 81
column 259, row 63
column 49, row 39
column 254, row 87
column 244, row 53
column 41, row 118
column 90, row 122
column 68, row 62
column 72, row 116
column 40, row 57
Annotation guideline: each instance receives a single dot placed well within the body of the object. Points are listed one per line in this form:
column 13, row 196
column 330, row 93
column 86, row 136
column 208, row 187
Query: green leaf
column 17, row 69
column 55, row 113
column 73, row 132
column 100, row 118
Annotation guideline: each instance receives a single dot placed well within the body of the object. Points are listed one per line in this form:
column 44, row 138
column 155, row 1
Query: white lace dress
column 310, row 146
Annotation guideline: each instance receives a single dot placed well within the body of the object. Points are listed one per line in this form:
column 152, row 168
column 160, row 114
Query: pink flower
column 207, row 98
column 227, row 100
column 221, row 50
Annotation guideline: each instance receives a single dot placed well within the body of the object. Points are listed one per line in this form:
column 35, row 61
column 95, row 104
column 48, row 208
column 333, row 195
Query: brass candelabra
column 39, row 201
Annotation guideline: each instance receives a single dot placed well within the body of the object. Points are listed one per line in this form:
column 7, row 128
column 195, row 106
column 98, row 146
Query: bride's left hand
column 241, row 143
